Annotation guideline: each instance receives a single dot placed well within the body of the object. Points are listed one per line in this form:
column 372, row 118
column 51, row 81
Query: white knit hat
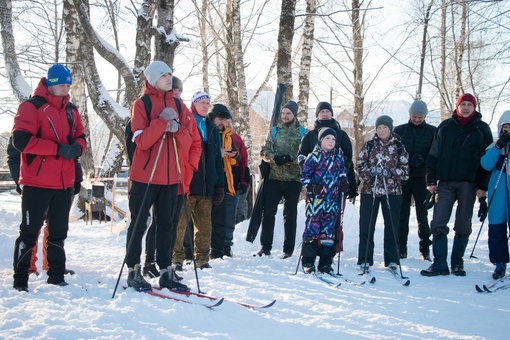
column 156, row 70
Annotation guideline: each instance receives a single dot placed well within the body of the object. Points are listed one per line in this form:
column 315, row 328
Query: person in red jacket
column 50, row 137
column 159, row 138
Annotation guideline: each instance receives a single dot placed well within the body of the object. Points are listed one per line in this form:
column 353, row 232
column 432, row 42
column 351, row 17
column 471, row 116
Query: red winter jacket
column 148, row 138
column 36, row 134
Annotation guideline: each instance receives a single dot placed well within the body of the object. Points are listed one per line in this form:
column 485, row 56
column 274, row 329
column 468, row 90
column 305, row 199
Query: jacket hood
column 504, row 119
column 42, row 91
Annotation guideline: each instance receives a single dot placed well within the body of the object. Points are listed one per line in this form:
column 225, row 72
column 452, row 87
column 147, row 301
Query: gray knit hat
column 384, row 120
column 418, row 108
column 156, row 70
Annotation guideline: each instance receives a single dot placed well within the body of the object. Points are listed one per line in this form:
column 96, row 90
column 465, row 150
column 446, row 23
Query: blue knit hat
column 59, row 74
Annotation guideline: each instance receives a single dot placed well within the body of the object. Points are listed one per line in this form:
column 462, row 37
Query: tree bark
column 20, row 87
column 166, row 41
column 78, row 45
column 357, row 58
column 306, row 62
column 285, row 35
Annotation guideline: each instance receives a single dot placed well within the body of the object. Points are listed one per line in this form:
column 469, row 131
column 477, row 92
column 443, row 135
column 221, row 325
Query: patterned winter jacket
column 328, row 170
column 387, row 155
column 285, row 142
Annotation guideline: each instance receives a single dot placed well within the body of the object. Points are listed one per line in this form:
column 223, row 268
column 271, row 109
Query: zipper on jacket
column 148, row 160
column 40, row 165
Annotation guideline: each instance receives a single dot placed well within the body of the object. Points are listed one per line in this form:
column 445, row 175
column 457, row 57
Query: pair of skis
column 334, row 283
column 493, row 286
column 403, row 280
column 214, row 301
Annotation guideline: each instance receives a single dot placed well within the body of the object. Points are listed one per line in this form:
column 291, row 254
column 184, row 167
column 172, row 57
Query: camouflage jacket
column 285, row 142
column 387, row 155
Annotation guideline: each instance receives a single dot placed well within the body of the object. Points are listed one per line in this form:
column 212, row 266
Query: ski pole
column 299, row 260
column 392, row 225
column 186, row 215
column 340, row 225
column 489, row 204
column 141, row 209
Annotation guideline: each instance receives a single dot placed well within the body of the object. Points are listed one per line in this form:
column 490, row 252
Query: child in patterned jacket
column 324, row 176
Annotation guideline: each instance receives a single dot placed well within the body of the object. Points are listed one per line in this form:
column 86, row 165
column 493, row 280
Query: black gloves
column 282, row 159
column 503, row 140
column 69, row 151
column 219, row 195
column 379, row 171
column 429, row 202
column 314, row 189
column 18, row 189
column 343, row 187
column 417, row 160
column 482, row 210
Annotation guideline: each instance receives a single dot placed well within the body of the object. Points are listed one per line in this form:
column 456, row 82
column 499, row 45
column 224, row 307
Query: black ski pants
column 414, row 188
column 369, row 208
column 34, row 204
column 274, row 191
column 167, row 206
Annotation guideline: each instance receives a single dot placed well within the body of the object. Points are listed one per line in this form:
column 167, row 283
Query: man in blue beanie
column 49, row 134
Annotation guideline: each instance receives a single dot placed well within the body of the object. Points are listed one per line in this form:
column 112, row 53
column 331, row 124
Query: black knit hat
column 384, row 120
column 323, row 106
column 292, row 106
column 220, row 111
column 323, row 132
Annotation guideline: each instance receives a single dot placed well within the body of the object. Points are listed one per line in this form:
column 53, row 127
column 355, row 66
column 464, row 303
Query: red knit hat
column 466, row 97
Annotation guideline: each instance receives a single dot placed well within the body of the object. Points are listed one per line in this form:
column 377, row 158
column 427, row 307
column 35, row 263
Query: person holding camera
column 382, row 166
column 325, row 178
column 495, row 160
column 416, row 136
column 280, row 151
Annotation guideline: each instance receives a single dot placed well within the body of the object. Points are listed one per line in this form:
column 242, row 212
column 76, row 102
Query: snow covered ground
column 433, row 308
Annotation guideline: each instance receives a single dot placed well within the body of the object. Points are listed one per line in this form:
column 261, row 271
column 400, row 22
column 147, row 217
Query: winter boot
column 432, row 271
column 459, row 247
column 440, row 249
column 227, row 250
column 393, row 266
column 364, row 267
column 150, row 270
column 136, row 280
column 326, row 254
column 263, row 252
column 308, row 264
column 500, row 270
column 178, row 267
column 169, row 280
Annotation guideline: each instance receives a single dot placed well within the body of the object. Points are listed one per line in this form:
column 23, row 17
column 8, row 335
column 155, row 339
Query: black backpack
column 128, row 134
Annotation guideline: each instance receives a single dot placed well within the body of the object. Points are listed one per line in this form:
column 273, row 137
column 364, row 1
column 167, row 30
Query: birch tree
column 284, row 58
column 306, row 62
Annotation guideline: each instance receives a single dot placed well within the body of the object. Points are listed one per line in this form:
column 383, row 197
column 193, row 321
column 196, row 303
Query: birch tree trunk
column 242, row 123
column 460, row 47
column 443, row 106
column 285, row 35
column 424, row 43
column 357, row 59
column 78, row 45
column 20, row 87
column 230, row 62
column 166, row 42
column 202, row 25
column 143, row 41
column 306, row 62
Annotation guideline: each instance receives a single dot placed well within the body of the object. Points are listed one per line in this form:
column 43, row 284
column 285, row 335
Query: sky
column 430, row 308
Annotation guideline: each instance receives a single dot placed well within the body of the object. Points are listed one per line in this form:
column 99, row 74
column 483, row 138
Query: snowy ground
column 433, row 308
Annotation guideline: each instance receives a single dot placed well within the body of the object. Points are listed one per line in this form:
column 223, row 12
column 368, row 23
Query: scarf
column 226, row 143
